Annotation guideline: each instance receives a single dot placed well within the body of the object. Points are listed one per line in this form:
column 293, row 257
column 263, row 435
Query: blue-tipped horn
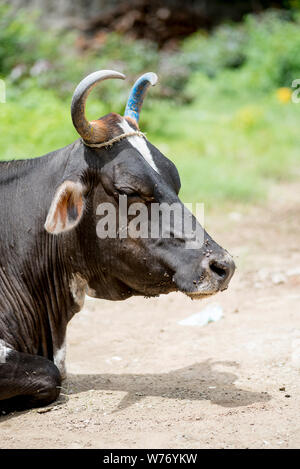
column 137, row 94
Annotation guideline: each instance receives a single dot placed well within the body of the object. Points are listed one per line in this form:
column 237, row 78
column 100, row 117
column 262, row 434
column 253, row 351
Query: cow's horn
column 91, row 132
column 137, row 94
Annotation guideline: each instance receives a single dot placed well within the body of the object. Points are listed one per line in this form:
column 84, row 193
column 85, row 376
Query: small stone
column 44, row 410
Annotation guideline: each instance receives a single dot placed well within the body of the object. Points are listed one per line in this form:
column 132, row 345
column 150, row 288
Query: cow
column 51, row 255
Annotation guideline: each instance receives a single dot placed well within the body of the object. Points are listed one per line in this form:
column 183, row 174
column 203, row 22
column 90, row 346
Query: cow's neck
column 39, row 289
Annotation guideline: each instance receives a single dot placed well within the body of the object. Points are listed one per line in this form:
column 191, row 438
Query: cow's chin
column 200, row 291
column 154, row 289
column 199, row 295
column 119, row 290
column 151, row 291
column 203, row 291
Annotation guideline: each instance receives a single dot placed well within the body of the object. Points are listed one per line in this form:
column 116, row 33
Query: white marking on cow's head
column 139, row 144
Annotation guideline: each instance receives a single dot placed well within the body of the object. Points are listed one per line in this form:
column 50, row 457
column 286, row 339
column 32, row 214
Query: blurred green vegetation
column 222, row 110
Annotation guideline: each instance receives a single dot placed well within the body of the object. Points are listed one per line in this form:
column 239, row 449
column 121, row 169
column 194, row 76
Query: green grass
column 225, row 150
column 215, row 112
column 232, row 153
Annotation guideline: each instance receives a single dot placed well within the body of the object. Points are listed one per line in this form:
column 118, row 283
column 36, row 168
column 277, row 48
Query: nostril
column 218, row 269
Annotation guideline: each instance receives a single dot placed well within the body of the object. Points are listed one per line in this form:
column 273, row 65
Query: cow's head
column 117, row 166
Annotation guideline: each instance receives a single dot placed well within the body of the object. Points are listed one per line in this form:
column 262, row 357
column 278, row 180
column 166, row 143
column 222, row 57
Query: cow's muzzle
column 221, row 269
column 208, row 277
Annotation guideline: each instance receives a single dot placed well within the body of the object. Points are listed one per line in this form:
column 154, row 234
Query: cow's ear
column 66, row 208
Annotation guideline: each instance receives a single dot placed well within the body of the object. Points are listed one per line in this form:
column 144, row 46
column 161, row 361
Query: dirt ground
column 138, row 379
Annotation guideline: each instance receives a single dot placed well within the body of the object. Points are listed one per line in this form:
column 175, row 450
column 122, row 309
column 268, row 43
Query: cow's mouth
column 199, row 295
column 196, row 289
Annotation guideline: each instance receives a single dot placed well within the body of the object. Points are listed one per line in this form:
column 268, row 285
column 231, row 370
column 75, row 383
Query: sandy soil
column 138, row 379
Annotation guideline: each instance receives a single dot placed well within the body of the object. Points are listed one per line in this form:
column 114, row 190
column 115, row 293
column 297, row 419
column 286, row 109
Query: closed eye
column 130, row 194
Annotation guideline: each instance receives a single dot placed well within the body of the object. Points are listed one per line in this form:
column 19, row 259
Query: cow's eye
column 149, row 198
column 133, row 195
column 128, row 192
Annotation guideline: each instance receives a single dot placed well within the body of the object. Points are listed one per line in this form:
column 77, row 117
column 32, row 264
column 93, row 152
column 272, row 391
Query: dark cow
column 51, row 255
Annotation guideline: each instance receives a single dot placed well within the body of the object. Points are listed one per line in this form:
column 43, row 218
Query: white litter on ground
column 292, row 272
column 211, row 313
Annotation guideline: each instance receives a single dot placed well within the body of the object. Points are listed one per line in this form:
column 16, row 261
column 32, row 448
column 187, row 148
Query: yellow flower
column 284, row 94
